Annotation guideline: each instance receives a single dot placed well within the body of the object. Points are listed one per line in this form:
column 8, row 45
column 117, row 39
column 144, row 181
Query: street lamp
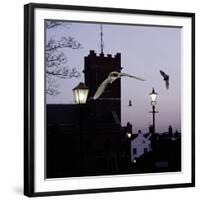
column 153, row 96
column 80, row 96
column 129, row 135
column 80, row 93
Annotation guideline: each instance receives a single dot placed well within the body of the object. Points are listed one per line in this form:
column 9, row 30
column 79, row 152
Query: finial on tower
column 101, row 39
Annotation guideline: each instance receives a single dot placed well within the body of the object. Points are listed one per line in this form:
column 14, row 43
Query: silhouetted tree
column 54, row 23
column 56, row 60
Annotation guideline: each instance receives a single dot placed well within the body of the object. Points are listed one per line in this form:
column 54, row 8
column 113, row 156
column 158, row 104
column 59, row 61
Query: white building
column 140, row 145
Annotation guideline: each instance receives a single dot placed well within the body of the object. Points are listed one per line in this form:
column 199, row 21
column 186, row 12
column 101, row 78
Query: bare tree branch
column 65, row 42
column 52, row 24
column 56, row 60
column 64, row 73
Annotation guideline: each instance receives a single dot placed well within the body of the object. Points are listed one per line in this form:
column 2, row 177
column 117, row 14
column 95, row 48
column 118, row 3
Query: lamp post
column 80, row 93
column 153, row 96
column 129, row 138
column 80, row 96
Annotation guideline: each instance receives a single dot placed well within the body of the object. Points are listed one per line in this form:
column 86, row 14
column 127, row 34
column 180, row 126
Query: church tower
column 96, row 69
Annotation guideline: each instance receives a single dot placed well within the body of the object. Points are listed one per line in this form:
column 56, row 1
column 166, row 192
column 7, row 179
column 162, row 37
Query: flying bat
column 165, row 78
column 109, row 80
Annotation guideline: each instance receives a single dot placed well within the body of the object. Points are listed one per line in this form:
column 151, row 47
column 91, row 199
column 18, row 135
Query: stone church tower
column 96, row 70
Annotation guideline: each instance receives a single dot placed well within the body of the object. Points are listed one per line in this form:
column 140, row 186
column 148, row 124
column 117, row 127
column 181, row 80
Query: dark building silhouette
column 88, row 139
column 170, row 131
column 128, row 127
column 84, row 140
column 150, row 129
column 165, row 155
column 62, row 140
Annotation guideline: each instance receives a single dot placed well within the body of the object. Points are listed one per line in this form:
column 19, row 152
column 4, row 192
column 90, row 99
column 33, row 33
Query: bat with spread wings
column 165, row 78
column 109, row 80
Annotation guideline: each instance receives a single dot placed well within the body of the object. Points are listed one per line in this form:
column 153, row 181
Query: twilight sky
column 144, row 51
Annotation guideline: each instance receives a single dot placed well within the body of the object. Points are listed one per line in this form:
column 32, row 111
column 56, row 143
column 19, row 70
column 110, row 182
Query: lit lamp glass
column 80, row 93
column 129, row 135
column 153, row 96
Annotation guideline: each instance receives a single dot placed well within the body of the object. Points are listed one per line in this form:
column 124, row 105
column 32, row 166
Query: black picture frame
column 29, row 94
